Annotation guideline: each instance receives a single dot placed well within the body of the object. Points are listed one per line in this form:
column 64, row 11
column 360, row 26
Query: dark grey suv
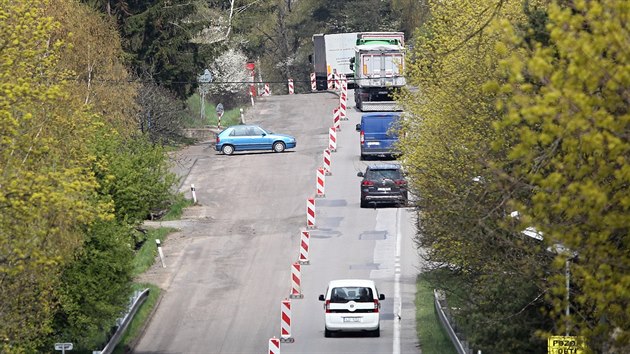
column 384, row 183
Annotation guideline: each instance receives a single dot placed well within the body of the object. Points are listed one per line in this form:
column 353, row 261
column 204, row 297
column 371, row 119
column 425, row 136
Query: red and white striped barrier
column 267, row 90
column 296, row 281
column 274, row 345
column 330, row 83
column 291, row 88
column 321, row 181
column 342, row 107
column 332, row 140
column 310, row 213
column 304, row 245
column 313, row 82
column 337, row 82
column 337, row 119
column 327, row 162
column 285, row 322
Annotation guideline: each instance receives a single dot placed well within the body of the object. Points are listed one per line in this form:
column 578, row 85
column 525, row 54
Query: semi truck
column 332, row 54
column 378, row 66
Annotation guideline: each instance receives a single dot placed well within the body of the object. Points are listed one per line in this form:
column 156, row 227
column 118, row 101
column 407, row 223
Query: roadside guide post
column 63, row 347
column 220, row 111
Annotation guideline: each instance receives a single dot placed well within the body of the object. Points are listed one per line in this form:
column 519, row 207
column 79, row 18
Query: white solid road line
column 397, row 299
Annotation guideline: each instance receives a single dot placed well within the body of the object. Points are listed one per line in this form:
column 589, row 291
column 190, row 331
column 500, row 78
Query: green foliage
column 95, row 287
column 134, row 173
column 47, row 191
column 521, row 107
column 433, row 338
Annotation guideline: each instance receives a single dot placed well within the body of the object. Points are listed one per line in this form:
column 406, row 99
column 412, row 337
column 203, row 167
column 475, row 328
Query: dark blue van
column 379, row 133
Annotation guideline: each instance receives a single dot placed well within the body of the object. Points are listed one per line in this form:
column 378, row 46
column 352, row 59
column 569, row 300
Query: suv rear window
column 393, row 174
column 351, row 293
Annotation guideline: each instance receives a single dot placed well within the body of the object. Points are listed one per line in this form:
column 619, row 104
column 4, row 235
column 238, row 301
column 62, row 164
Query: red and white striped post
column 310, row 213
column 274, row 345
column 285, row 322
column 267, row 90
column 313, row 82
column 291, row 89
column 321, row 181
column 296, row 281
column 330, row 83
column 337, row 82
column 327, row 162
column 342, row 107
column 336, row 119
column 304, row 245
column 332, row 140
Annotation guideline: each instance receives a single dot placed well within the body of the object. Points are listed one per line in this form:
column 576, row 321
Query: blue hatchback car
column 252, row 137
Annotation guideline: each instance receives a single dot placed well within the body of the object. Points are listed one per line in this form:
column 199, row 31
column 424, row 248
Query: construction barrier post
column 291, row 89
column 327, row 162
column 321, row 181
column 285, row 322
column 330, row 82
column 304, row 246
column 310, row 213
column 332, row 140
column 267, row 90
column 274, row 345
column 336, row 119
column 296, row 281
column 313, row 82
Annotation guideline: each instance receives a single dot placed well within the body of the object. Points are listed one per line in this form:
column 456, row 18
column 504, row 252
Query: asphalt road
column 229, row 267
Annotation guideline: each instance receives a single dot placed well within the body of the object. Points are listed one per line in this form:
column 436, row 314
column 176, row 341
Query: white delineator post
column 267, row 90
column 194, row 195
column 332, row 139
column 304, row 245
column 336, row 119
column 313, row 82
column 285, row 322
column 274, row 345
column 326, row 158
column 321, row 181
column 159, row 248
column 251, row 97
column 310, row 213
column 296, row 281
column 291, row 88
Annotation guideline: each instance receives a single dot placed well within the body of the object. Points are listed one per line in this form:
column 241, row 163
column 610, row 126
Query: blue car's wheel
column 227, row 149
column 278, row 146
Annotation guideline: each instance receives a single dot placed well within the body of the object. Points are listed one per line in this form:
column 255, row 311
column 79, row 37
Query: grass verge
column 139, row 320
column 230, row 116
column 177, row 208
column 146, row 254
column 432, row 337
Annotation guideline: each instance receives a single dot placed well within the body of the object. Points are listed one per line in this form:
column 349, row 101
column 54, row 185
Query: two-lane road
column 232, row 270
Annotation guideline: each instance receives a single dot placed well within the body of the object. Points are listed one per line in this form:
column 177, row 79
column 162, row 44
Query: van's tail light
column 367, row 183
column 362, row 137
column 400, row 182
column 376, row 305
column 327, row 306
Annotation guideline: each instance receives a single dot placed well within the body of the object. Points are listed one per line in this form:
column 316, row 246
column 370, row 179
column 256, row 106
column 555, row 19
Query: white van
column 352, row 305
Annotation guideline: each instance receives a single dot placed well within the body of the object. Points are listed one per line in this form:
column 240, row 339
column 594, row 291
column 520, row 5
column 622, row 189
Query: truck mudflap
column 383, row 106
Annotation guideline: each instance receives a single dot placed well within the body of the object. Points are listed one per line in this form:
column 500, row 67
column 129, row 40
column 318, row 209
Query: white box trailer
column 331, row 54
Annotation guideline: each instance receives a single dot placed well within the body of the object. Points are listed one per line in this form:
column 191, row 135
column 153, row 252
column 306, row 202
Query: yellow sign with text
column 565, row 345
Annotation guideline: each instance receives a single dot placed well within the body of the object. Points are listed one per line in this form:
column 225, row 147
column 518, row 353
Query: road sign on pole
column 63, row 347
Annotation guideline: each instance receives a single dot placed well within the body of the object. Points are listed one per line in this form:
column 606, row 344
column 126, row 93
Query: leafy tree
column 47, row 191
column 566, row 125
column 95, row 287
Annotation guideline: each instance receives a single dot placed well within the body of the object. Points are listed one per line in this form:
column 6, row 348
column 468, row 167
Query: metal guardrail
column 461, row 346
column 138, row 299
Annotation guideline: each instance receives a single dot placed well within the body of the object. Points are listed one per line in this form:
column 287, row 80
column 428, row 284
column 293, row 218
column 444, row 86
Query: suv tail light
column 376, row 305
column 327, row 306
column 367, row 183
column 400, row 182
column 362, row 137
